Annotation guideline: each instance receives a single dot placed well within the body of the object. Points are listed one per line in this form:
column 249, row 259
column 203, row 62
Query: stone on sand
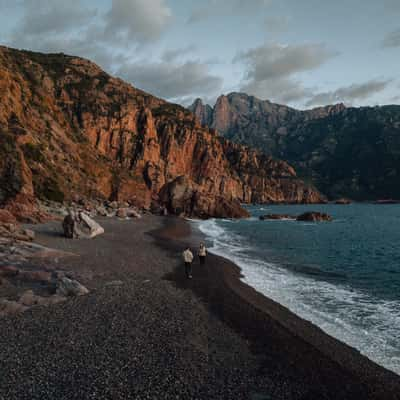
column 68, row 287
column 29, row 299
column 11, row 307
column 78, row 225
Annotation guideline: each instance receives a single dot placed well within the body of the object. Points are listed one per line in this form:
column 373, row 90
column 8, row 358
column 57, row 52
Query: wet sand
column 156, row 335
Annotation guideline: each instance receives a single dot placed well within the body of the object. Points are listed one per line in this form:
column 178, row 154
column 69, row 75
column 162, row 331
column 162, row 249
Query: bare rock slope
column 69, row 129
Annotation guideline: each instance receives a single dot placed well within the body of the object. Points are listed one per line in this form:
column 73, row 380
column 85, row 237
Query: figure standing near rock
column 202, row 253
column 188, row 259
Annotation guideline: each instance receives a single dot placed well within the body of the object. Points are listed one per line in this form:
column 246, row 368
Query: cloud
column 172, row 81
column 349, row 94
column 271, row 70
column 283, row 91
column 221, row 8
column 392, row 39
column 274, row 60
column 46, row 24
column 173, row 54
column 53, row 16
column 139, row 20
column 106, row 36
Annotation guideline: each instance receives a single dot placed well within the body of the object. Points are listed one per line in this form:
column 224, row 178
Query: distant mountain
column 345, row 152
column 68, row 130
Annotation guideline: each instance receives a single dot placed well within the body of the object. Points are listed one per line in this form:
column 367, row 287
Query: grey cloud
column 46, row 24
column 279, row 90
column 218, row 8
column 348, row 94
column 172, row 81
column 46, row 16
column 271, row 70
column 59, row 26
column 173, row 54
column 273, row 61
column 392, row 39
column 140, row 20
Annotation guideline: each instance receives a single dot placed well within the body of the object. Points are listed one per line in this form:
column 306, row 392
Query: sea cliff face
column 70, row 130
column 346, row 152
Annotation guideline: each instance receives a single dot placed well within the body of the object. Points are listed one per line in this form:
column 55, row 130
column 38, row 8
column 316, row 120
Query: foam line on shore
column 371, row 327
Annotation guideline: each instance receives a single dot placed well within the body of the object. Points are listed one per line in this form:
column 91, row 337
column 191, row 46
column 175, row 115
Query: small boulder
column 132, row 213
column 313, row 216
column 34, row 276
column 11, row 307
column 68, row 287
column 6, row 217
column 29, row 299
column 15, row 232
column 127, row 213
column 101, row 211
column 113, row 205
column 122, row 213
column 30, row 234
column 78, row 225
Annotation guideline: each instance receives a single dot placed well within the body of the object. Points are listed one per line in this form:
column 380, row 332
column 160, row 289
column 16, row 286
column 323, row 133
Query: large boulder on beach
column 313, row 216
column 185, row 198
column 69, row 287
column 78, row 225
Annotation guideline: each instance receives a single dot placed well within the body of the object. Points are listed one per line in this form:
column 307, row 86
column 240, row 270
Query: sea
column 343, row 276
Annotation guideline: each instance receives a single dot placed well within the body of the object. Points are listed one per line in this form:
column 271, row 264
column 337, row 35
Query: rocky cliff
column 68, row 129
column 345, row 152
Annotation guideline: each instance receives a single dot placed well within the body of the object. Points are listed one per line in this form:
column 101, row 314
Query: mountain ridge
column 342, row 150
column 69, row 129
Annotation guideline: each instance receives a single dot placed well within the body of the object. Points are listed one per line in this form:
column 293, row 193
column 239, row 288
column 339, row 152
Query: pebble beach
column 145, row 332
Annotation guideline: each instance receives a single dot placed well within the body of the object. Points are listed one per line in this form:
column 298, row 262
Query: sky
column 304, row 53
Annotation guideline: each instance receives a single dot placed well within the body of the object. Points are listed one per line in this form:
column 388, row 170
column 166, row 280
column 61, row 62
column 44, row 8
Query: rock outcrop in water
column 70, row 130
column 313, row 216
column 346, row 152
column 310, row 216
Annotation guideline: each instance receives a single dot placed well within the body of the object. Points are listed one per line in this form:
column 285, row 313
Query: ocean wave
column 368, row 324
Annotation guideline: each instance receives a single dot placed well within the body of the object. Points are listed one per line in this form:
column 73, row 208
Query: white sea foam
column 370, row 325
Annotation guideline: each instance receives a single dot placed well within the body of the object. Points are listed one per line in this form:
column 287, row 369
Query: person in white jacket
column 188, row 259
column 202, row 253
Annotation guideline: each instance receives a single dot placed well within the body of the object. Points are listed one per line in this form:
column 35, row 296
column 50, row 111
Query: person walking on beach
column 188, row 259
column 202, row 253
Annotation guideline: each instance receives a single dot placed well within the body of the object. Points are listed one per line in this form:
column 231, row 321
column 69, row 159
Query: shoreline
column 251, row 318
column 144, row 331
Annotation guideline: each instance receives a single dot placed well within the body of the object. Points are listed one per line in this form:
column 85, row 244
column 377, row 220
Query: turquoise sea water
column 344, row 276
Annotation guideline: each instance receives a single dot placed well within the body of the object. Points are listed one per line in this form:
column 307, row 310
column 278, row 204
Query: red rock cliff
column 67, row 128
